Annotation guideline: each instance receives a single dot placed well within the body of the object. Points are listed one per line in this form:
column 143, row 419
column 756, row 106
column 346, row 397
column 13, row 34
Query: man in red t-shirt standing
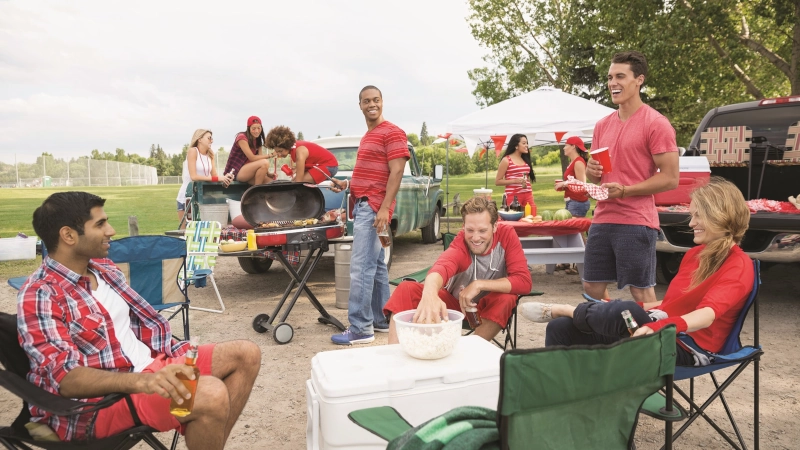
column 644, row 161
column 382, row 156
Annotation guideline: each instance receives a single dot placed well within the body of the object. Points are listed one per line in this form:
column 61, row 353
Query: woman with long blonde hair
column 704, row 299
column 199, row 165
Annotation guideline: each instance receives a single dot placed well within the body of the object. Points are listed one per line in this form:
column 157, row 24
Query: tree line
column 701, row 54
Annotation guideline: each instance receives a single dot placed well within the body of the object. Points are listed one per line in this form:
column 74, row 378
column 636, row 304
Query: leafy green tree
column 338, row 133
column 413, row 139
column 424, row 139
column 460, row 163
column 705, row 54
column 300, row 136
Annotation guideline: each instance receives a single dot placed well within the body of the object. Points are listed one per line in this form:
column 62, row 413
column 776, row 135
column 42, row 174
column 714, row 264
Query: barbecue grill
column 281, row 205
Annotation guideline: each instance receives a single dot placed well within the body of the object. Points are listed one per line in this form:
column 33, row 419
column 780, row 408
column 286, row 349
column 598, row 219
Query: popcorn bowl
column 428, row 340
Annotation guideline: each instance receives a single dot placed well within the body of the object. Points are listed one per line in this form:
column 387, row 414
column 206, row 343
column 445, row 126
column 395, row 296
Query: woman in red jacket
column 313, row 162
column 705, row 298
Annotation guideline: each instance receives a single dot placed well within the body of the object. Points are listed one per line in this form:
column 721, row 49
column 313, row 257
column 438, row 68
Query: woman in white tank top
column 199, row 166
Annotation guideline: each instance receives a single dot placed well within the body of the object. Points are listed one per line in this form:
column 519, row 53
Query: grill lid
column 281, row 200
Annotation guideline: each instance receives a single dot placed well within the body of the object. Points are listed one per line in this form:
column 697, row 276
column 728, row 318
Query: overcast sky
column 83, row 75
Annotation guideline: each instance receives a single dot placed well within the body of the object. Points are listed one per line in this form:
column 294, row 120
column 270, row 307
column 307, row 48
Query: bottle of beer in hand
column 185, row 408
column 515, row 206
column 630, row 322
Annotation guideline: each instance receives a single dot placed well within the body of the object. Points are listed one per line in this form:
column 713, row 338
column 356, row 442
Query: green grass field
column 154, row 206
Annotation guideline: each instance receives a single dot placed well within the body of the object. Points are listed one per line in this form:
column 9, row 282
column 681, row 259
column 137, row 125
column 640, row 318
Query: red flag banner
column 482, row 153
column 498, row 144
column 559, row 135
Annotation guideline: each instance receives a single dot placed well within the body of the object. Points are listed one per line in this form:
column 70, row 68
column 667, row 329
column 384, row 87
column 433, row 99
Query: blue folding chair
column 733, row 353
column 153, row 266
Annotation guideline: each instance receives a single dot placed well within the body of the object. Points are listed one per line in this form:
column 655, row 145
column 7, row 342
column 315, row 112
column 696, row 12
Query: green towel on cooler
column 462, row 428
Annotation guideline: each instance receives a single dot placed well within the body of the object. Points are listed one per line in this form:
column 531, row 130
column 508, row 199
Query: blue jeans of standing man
column 369, row 277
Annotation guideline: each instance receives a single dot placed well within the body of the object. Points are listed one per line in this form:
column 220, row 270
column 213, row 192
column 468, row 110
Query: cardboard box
column 17, row 248
column 346, row 380
column 694, row 172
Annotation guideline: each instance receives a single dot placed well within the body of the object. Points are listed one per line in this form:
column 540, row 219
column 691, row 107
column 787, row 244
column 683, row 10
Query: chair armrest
column 52, row 403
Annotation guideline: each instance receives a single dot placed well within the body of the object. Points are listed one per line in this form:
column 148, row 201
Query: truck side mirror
column 438, row 172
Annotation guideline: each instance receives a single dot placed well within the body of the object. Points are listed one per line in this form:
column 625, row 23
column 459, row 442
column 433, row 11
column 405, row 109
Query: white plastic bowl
column 428, row 341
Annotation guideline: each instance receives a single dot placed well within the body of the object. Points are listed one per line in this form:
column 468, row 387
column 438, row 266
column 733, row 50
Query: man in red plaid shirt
column 88, row 334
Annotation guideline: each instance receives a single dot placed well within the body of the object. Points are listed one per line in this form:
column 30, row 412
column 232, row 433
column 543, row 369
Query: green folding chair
column 550, row 398
column 202, row 245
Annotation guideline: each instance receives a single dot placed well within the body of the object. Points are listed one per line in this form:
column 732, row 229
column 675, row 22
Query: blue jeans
column 578, row 209
column 369, row 277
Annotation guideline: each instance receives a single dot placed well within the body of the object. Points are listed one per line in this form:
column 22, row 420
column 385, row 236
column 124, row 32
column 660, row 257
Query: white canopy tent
column 540, row 114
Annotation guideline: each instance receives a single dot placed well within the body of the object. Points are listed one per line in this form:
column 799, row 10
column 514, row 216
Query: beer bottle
column 473, row 317
column 504, row 206
column 515, row 206
column 630, row 322
column 185, row 408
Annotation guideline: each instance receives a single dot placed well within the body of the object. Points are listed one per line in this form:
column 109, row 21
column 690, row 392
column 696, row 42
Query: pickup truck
column 420, row 200
column 754, row 145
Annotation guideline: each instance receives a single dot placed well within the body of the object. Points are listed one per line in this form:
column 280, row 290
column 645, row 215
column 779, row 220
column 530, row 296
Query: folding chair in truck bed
column 580, row 397
column 733, row 354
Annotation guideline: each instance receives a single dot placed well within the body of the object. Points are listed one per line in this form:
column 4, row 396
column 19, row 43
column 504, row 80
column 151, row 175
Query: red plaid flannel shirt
column 61, row 326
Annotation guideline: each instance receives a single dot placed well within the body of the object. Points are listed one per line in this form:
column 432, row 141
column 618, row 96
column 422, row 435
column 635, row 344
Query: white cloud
column 92, row 74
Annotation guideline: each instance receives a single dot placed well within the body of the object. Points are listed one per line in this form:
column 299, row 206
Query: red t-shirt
column 371, row 173
column 725, row 292
column 505, row 259
column 631, row 145
column 572, row 195
column 317, row 155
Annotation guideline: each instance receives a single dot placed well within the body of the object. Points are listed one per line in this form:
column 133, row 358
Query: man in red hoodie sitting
column 483, row 268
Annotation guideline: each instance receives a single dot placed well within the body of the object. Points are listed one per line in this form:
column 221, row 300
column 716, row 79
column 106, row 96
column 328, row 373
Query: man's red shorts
column 153, row 409
column 493, row 306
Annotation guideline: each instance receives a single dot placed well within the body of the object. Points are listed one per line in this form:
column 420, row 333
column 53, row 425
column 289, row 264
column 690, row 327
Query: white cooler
column 346, row 380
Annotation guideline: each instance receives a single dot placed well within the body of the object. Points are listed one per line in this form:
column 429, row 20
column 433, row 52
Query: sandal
column 562, row 267
column 537, row 312
column 571, row 271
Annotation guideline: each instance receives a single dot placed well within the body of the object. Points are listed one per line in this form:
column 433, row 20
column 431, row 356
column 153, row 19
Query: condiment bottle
column 527, row 209
column 251, row 240
column 185, row 408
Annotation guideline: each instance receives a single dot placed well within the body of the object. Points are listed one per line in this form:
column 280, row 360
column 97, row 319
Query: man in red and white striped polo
column 382, row 156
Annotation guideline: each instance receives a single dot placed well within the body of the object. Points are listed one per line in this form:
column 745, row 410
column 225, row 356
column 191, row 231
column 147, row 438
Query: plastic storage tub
column 346, row 380
column 694, row 172
column 218, row 213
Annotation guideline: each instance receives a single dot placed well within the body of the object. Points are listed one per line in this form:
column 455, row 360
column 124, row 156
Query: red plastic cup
column 602, row 156
column 287, row 170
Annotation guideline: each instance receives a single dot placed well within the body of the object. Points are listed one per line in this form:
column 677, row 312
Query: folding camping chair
column 552, row 398
column 202, row 245
column 13, row 378
column 147, row 259
column 17, row 282
column 510, row 337
column 732, row 354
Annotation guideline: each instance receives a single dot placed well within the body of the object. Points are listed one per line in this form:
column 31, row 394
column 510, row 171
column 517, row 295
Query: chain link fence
column 77, row 172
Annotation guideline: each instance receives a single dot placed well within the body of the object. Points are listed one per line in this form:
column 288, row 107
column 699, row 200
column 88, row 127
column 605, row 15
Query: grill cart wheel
column 283, row 333
column 261, row 318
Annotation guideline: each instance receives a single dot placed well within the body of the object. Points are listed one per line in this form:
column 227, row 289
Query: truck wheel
column 430, row 233
column 255, row 265
column 667, row 265
column 388, row 252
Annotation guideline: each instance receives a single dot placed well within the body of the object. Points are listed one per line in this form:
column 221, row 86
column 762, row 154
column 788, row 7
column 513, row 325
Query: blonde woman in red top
column 704, row 299
column 515, row 171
